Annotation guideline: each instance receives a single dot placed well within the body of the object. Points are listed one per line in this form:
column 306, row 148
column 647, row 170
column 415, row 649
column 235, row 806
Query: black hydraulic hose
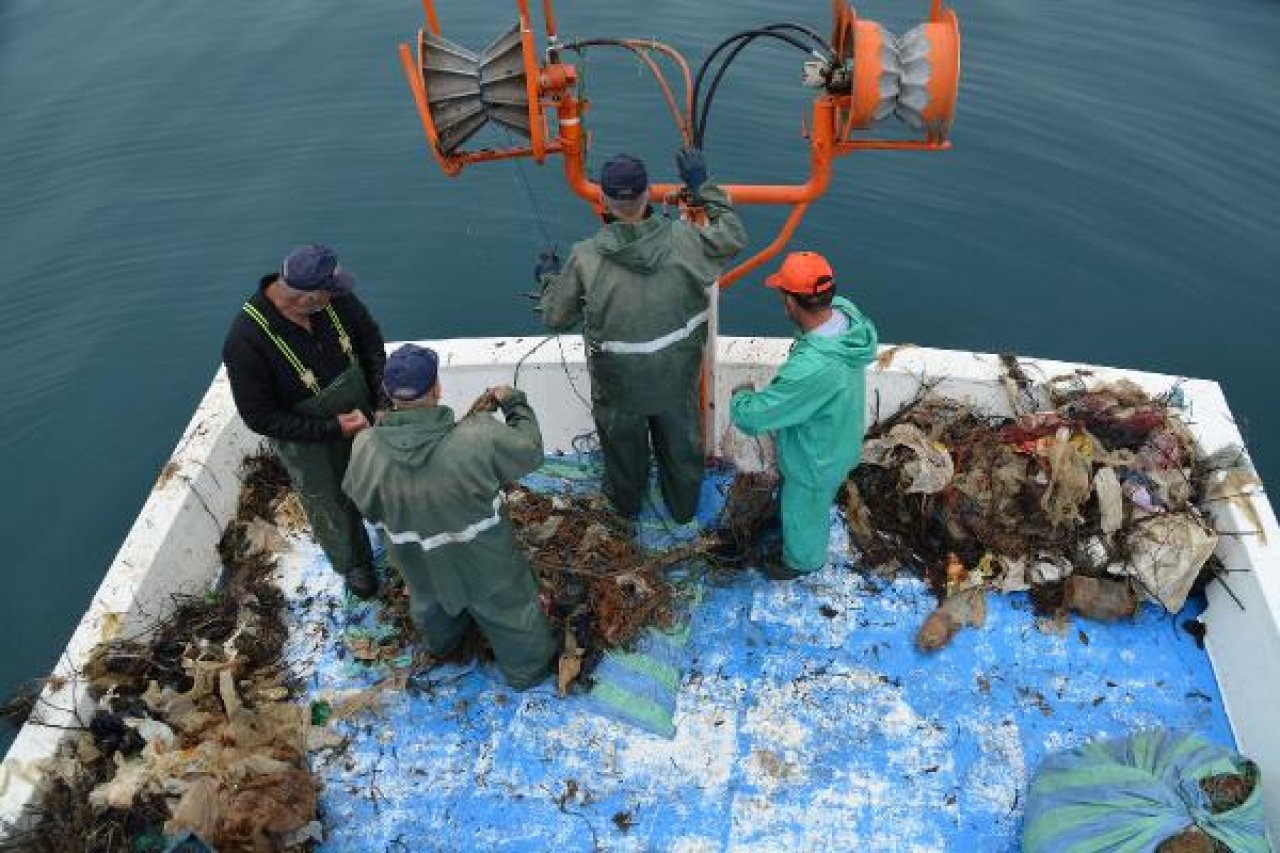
column 700, row 121
column 801, row 28
column 766, row 29
column 579, row 43
column 745, row 34
column 743, row 39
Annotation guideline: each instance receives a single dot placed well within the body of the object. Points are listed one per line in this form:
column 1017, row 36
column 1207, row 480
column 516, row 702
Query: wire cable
column 523, row 180
column 515, row 380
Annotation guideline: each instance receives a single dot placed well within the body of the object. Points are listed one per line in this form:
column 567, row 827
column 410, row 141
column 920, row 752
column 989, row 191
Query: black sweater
column 266, row 387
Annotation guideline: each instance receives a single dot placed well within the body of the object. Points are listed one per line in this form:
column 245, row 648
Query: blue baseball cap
column 411, row 372
column 315, row 267
column 623, row 178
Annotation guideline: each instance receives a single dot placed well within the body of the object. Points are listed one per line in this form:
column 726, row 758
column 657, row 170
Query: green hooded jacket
column 645, row 282
column 816, row 404
column 431, row 486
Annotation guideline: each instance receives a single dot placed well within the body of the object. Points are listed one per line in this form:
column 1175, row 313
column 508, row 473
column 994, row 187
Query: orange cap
column 804, row 274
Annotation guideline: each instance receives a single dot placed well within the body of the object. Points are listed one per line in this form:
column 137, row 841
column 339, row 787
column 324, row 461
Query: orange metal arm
column 823, row 150
column 429, row 8
column 549, row 15
column 569, row 111
column 851, row 145
column 411, row 72
column 779, row 243
column 537, row 132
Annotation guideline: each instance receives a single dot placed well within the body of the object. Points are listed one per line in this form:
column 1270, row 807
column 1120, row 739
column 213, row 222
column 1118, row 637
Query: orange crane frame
column 835, row 119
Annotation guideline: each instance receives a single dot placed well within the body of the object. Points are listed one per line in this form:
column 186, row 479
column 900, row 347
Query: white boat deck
column 170, row 549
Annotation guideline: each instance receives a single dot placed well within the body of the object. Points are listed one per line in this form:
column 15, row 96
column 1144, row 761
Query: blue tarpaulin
column 805, row 720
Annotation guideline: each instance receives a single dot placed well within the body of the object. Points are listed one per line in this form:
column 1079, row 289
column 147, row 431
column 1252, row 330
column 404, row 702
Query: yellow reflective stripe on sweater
column 308, row 378
column 343, row 338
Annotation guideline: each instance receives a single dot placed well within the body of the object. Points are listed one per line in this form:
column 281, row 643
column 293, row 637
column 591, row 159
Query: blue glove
column 692, row 165
column 548, row 264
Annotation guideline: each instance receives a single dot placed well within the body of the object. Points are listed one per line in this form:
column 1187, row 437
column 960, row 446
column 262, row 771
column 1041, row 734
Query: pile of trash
column 600, row 588
column 1091, row 502
column 750, row 512
column 194, row 731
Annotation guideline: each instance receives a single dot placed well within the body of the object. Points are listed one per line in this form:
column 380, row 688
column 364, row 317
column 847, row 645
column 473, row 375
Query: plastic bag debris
column 1166, row 552
column 1237, row 487
column 1013, row 575
column 1069, row 479
column 194, row 724
column 1092, row 554
column 1106, row 485
column 640, row 687
column 928, row 471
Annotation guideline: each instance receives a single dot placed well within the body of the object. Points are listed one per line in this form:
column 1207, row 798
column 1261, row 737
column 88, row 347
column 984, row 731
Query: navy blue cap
column 315, row 267
column 411, row 372
column 623, row 178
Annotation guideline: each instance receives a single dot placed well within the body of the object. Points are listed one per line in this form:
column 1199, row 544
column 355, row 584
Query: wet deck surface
column 806, row 720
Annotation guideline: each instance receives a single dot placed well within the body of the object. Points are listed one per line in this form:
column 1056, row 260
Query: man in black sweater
column 305, row 362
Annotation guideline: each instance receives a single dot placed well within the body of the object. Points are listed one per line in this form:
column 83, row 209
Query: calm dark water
column 1113, row 197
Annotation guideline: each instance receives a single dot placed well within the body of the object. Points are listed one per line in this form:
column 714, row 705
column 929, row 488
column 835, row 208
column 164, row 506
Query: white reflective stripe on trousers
column 646, row 347
column 449, row 537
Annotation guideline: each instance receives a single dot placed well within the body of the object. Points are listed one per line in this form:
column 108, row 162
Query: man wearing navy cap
column 432, row 486
column 641, row 290
column 305, row 360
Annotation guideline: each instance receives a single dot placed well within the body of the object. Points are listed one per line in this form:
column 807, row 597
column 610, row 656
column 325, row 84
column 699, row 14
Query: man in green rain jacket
column 304, row 360
column 815, row 407
column 431, row 486
column 641, row 290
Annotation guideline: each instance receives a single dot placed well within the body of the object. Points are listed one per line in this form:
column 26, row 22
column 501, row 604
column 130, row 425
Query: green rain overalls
column 816, row 409
column 641, row 292
column 317, row 468
column 432, row 487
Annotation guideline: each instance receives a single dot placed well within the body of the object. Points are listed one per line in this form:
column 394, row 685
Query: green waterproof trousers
column 677, row 446
column 317, row 469
column 432, row 488
column 806, row 525
column 510, row 618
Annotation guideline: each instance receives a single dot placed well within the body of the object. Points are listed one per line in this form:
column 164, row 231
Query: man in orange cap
column 815, row 407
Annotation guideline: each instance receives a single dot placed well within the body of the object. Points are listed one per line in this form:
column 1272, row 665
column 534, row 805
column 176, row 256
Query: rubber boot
column 773, row 565
column 362, row 582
